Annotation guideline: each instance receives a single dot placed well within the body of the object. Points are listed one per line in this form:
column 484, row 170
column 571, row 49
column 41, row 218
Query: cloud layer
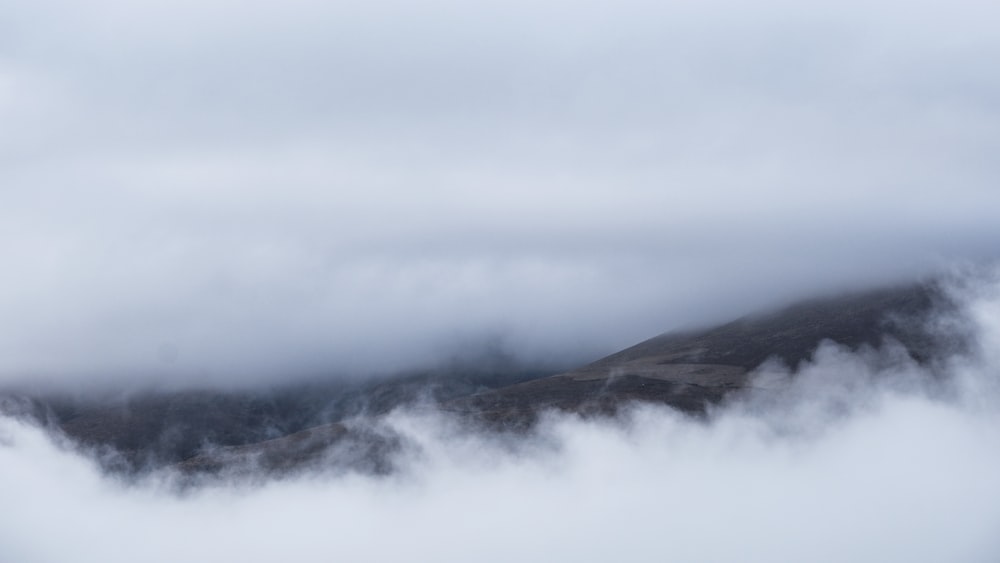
column 215, row 191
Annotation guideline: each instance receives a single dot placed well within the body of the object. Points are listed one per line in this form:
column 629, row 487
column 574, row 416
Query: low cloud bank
column 860, row 457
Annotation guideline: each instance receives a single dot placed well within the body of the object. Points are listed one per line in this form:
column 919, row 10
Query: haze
column 221, row 192
column 239, row 194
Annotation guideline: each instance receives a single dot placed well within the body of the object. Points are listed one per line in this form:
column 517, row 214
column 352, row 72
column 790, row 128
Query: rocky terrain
column 337, row 423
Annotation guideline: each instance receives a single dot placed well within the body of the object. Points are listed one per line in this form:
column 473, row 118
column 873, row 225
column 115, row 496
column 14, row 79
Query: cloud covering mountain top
column 220, row 192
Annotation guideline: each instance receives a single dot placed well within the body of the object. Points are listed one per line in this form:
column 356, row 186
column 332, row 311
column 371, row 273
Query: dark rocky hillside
column 694, row 369
column 337, row 423
column 150, row 429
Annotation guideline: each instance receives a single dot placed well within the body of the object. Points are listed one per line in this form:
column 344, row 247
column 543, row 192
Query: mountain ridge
column 336, row 423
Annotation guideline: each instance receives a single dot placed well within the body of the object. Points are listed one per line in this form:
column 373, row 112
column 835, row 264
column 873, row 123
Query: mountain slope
column 688, row 371
column 692, row 370
column 336, row 423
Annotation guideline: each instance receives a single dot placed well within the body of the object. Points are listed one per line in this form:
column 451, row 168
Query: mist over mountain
column 221, row 195
column 866, row 432
column 499, row 281
column 340, row 424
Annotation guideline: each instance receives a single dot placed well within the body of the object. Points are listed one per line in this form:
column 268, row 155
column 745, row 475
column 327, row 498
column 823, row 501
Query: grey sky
column 260, row 189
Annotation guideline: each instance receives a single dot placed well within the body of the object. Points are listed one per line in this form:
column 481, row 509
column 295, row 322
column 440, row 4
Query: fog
column 860, row 456
column 220, row 192
column 223, row 193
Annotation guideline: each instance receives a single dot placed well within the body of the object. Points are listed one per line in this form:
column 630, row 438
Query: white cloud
column 282, row 189
column 866, row 473
column 267, row 189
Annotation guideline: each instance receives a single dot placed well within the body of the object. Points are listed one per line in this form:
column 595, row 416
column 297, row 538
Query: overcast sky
column 216, row 191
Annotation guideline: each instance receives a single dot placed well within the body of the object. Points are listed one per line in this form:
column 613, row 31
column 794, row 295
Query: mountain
column 338, row 423
column 692, row 370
